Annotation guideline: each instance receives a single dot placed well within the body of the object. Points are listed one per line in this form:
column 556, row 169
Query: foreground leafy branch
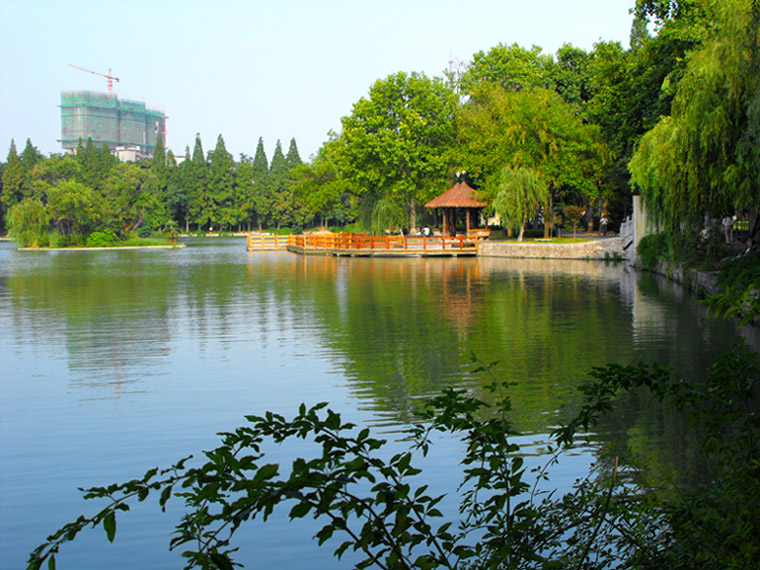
column 375, row 507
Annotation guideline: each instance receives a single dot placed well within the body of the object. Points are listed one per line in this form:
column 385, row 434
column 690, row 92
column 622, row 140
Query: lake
column 112, row 362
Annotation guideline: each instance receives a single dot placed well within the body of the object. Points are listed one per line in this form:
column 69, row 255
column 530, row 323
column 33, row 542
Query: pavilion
column 458, row 197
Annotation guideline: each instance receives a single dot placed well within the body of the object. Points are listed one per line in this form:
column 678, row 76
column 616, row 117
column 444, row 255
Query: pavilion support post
column 445, row 231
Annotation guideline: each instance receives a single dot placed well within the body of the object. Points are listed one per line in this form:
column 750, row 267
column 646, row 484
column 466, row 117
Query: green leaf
column 265, row 472
column 109, row 524
column 51, row 562
column 300, row 510
column 222, row 561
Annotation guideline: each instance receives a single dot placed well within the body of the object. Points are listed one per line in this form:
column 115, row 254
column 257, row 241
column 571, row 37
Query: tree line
column 673, row 117
column 92, row 190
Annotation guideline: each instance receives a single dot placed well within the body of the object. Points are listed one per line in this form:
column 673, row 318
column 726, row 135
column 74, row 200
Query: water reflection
column 400, row 330
column 113, row 361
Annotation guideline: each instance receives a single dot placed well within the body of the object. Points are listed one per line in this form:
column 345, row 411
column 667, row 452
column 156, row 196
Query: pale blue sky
column 276, row 69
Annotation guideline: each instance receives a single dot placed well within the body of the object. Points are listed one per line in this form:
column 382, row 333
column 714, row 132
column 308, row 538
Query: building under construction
column 128, row 128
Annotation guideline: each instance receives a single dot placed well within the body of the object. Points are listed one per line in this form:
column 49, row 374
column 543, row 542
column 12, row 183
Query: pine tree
column 184, row 181
column 197, row 201
column 89, row 164
column 276, row 187
column 260, row 162
column 106, row 161
column 244, row 196
column 221, row 209
column 296, row 209
column 261, row 200
column 293, row 159
column 159, row 169
column 30, row 156
column 13, row 180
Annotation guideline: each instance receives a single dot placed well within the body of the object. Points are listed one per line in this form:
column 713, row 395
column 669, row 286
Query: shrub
column 106, row 238
column 653, row 248
column 741, row 271
column 73, row 240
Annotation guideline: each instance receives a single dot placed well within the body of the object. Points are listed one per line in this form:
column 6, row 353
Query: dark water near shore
column 112, row 362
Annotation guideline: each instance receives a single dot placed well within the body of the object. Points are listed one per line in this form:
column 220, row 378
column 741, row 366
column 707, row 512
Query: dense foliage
column 92, row 191
column 703, row 158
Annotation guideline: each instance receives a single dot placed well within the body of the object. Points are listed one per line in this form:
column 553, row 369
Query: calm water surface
column 112, row 362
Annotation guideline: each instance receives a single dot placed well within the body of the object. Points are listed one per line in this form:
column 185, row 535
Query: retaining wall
column 603, row 248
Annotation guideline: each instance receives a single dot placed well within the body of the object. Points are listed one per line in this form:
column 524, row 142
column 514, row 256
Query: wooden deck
column 360, row 245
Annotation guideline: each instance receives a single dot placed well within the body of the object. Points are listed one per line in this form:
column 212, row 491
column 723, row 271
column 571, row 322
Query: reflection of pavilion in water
column 456, row 284
column 452, row 282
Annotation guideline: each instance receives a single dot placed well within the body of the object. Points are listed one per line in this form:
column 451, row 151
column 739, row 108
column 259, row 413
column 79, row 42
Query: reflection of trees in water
column 400, row 329
column 107, row 310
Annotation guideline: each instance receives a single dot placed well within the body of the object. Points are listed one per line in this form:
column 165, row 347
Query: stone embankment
column 701, row 282
column 598, row 249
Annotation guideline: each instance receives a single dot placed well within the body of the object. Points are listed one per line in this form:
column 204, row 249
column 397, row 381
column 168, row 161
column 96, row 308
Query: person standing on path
column 603, row 225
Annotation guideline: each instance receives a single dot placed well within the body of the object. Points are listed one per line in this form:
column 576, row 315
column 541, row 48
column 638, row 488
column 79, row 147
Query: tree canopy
column 703, row 157
column 396, row 143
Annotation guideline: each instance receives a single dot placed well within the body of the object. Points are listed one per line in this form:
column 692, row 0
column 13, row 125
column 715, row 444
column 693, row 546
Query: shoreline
column 177, row 246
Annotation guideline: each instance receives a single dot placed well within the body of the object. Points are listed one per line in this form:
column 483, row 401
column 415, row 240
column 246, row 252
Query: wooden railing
column 266, row 241
column 349, row 241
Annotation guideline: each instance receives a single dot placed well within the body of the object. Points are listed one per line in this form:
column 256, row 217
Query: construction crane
column 108, row 76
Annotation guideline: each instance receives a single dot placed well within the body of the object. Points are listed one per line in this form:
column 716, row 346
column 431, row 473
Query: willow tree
column 704, row 159
column 28, row 222
column 520, row 194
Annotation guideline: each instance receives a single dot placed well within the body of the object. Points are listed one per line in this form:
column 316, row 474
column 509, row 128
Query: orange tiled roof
column 458, row 196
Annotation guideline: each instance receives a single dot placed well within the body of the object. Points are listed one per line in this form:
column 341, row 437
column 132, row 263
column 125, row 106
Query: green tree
column 222, row 209
column 198, row 204
column 245, row 203
column 263, row 203
column 632, row 89
column 30, row 156
column 13, row 179
column 703, row 158
column 28, row 222
column 133, row 200
column 183, row 188
column 90, row 164
column 520, row 194
column 397, row 142
column 574, row 214
column 534, row 129
column 75, row 208
column 277, row 188
column 159, row 163
column 52, row 170
column 322, row 188
column 299, row 212
column 293, row 158
column 571, row 75
column 513, row 68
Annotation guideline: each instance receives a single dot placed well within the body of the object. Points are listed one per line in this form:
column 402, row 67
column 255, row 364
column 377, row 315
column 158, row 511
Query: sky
column 276, row 69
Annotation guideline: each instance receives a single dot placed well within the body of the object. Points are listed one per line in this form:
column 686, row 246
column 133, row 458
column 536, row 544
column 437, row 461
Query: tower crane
column 108, row 76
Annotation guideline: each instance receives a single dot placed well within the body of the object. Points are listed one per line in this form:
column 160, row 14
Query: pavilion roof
column 458, row 196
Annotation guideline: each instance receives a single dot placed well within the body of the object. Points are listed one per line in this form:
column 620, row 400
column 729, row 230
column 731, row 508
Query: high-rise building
column 129, row 128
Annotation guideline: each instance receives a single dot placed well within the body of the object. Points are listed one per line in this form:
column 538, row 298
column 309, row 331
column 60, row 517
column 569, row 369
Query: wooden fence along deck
column 263, row 242
column 357, row 245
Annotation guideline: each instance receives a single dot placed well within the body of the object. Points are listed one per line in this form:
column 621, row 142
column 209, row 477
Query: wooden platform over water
column 360, row 245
